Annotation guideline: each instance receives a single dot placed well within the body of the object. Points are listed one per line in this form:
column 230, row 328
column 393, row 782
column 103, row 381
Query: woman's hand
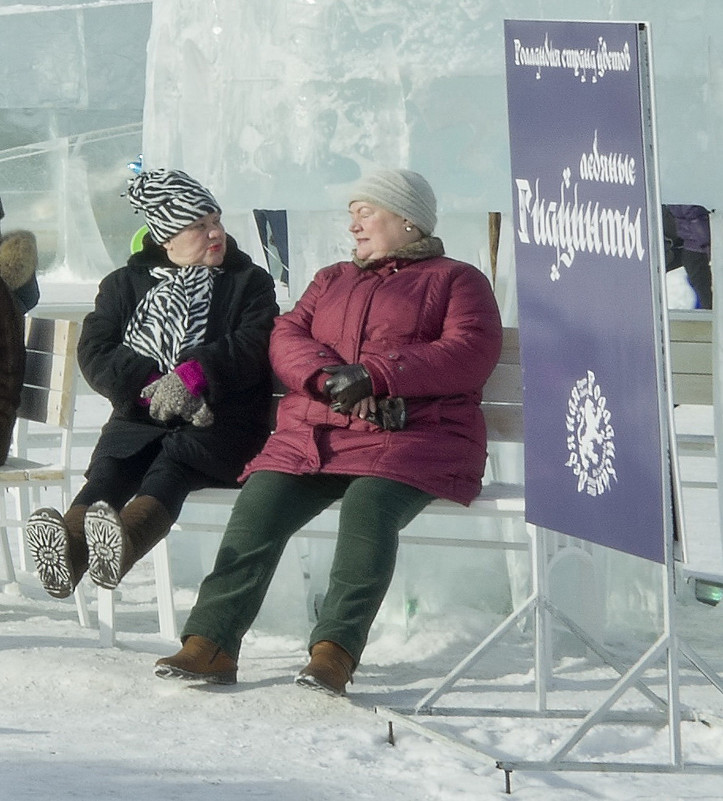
column 347, row 385
column 364, row 407
column 169, row 398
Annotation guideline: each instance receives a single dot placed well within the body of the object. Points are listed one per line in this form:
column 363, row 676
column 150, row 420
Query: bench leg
column 81, row 607
column 106, row 617
column 22, row 504
column 6, row 559
column 164, row 592
column 7, row 569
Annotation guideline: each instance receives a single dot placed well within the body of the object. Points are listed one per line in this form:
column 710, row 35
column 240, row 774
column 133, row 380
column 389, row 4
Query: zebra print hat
column 170, row 200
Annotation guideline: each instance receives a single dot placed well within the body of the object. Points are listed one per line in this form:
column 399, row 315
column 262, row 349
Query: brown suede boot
column 57, row 545
column 116, row 541
column 75, row 522
column 330, row 668
column 200, row 660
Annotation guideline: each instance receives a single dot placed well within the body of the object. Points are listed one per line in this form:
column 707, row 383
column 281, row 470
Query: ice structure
column 279, row 106
column 72, row 80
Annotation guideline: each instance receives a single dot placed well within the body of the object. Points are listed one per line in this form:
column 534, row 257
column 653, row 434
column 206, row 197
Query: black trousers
column 151, row 471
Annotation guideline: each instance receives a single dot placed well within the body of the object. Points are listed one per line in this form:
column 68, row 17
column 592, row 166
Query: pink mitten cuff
column 191, row 373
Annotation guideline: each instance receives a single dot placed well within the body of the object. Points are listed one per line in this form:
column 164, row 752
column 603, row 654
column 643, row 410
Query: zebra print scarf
column 173, row 315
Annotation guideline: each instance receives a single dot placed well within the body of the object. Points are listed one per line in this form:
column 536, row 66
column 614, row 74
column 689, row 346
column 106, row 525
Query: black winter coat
column 12, row 365
column 18, row 293
column 234, row 357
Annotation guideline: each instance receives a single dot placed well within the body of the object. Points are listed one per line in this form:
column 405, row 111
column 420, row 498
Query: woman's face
column 200, row 243
column 377, row 231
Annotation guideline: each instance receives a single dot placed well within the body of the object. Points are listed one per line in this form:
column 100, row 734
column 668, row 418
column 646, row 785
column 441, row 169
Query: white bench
column 691, row 353
column 502, row 406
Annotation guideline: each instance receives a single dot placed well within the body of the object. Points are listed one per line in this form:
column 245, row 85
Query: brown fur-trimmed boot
column 117, row 540
column 198, row 660
column 58, row 547
column 330, row 668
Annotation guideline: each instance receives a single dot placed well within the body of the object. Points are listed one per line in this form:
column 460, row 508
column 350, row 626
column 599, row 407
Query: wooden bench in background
column 48, row 402
column 691, row 346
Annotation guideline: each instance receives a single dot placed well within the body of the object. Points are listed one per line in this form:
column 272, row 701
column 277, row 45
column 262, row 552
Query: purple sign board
column 588, row 283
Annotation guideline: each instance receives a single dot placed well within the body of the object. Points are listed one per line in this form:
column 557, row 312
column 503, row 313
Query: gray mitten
column 170, row 398
column 203, row 416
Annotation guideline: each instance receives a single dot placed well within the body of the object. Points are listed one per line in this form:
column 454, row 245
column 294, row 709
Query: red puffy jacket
column 427, row 330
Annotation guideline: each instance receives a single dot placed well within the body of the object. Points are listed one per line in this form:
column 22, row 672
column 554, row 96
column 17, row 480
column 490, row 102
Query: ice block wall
column 72, row 87
column 283, row 104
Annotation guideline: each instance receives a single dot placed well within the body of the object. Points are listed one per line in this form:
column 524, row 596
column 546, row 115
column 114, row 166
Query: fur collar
column 429, row 247
column 18, row 258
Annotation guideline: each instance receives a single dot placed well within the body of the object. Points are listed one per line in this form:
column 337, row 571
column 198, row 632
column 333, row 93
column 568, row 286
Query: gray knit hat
column 403, row 192
column 170, row 200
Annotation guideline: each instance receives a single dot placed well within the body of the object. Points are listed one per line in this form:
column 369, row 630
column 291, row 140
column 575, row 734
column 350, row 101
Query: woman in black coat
column 178, row 343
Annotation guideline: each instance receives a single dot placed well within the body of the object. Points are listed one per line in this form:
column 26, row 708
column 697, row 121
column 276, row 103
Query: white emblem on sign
column 590, row 437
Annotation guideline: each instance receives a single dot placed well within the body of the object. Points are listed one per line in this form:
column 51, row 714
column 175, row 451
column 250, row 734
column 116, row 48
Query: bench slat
column 504, row 385
column 692, row 357
column 692, row 389
column 694, row 326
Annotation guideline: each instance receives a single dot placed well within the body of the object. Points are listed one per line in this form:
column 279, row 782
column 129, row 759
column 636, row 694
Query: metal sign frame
column 661, row 711
column 668, row 647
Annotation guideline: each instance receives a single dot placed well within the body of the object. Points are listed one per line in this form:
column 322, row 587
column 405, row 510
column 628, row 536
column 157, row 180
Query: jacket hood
column 429, row 247
column 18, row 258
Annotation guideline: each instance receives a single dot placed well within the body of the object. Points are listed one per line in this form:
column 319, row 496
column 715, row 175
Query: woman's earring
column 408, row 227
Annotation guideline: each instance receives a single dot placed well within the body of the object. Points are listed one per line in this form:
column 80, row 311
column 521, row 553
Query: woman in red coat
column 384, row 357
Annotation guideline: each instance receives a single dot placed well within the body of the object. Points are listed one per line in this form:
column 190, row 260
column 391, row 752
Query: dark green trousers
column 269, row 509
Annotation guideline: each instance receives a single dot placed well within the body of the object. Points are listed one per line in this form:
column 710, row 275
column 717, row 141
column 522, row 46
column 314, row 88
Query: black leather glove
column 391, row 414
column 347, row 385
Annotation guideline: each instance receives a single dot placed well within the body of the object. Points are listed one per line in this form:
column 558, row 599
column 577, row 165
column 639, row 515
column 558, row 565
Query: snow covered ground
column 82, row 722
column 86, row 723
